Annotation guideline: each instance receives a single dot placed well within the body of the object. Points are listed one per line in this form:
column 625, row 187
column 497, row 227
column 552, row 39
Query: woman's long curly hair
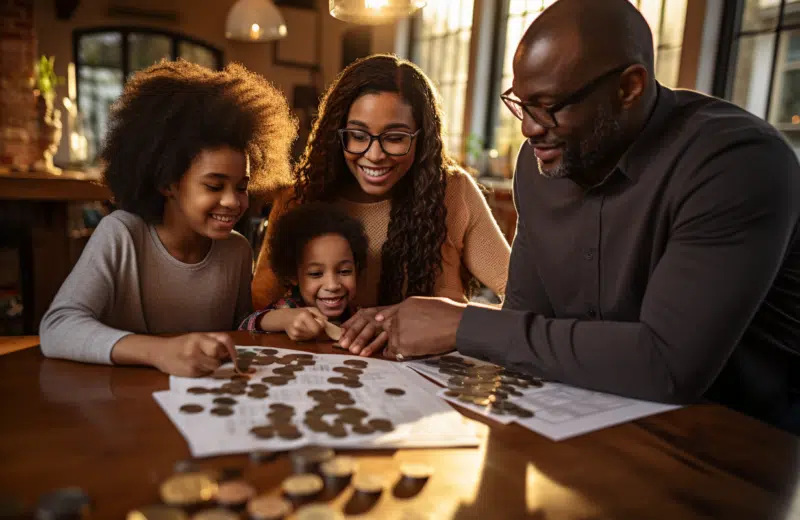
column 411, row 258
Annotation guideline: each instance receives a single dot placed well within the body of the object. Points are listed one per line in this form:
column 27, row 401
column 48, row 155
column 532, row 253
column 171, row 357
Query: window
column 441, row 47
column 665, row 17
column 105, row 58
column 765, row 76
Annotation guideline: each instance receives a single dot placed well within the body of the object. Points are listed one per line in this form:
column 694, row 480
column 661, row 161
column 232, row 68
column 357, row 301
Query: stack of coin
column 309, row 458
column 416, row 472
column 318, row 512
column 71, row 503
column 157, row 512
column 302, row 488
column 188, row 489
column 338, row 472
column 368, row 484
column 234, row 494
column 267, row 507
column 215, row 514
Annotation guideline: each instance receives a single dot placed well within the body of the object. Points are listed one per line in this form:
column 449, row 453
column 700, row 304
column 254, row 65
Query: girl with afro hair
column 184, row 146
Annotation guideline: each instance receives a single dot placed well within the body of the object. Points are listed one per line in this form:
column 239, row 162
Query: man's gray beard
column 603, row 139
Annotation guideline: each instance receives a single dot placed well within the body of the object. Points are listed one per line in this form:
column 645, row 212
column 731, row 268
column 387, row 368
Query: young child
column 316, row 250
column 184, row 144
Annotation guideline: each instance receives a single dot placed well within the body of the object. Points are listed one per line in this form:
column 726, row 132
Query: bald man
column 656, row 254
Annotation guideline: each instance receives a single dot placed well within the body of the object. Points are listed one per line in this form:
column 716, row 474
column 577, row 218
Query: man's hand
column 193, row 355
column 305, row 323
column 422, row 326
column 363, row 334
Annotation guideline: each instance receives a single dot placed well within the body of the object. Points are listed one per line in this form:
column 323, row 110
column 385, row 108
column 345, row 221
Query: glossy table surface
column 98, row 427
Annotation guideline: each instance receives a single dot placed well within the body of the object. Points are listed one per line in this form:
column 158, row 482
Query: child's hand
column 305, row 323
column 193, row 355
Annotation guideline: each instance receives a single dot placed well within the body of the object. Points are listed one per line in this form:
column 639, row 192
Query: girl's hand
column 194, row 355
column 305, row 323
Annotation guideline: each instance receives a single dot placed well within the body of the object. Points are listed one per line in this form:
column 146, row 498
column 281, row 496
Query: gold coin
column 267, row 507
column 318, row 512
column 367, row 483
column 339, row 467
column 234, row 493
column 157, row 513
column 216, row 514
column 302, row 485
column 416, row 471
column 188, row 489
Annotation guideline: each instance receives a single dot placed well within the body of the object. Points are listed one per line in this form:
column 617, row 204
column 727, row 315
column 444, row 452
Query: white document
column 420, row 419
column 560, row 411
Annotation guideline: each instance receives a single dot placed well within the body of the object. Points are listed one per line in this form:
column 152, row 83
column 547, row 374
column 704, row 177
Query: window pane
column 197, row 54
column 100, row 50
column 146, row 49
column 441, row 49
column 785, row 112
column 668, row 66
column 98, row 88
column 752, row 73
column 760, row 14
column 673, row 22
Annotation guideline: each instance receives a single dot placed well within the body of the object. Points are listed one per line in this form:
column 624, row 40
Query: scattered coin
column 381, row 425
column 268, row 351
column 197, row 390
column 368, row 483
column 157, row 512
column 188, row 489
column 318, row 512
column 302, row 486
column 71, row 502
column 191, row 408
column 263, row 432
column 235, row 493
column 416, row 471
column 227, row 401
column 266, row 507
column 275, row 380
column 395, row 391
column 215, row 514
column 222, row 411
column 363, row 429
column 358, row 363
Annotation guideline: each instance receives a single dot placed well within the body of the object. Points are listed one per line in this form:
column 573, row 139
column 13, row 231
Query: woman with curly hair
column 376, row 150
column 183, row 147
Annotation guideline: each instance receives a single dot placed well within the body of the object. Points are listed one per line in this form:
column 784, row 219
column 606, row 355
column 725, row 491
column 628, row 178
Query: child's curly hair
column 169, row 112
column 300, row 225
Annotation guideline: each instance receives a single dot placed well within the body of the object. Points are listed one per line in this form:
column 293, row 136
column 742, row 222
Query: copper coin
column 363, row 429
column 197, row 390
column 155, row 512
column 281, row 407
column 257, row 395
column 452, row 393
column 395, row 391
column 227, row 401
column 215, row 514
column 222, row 411
column 275, row 380
column 268, row 351
column 288, row 432
column 263, row 432
column 381, row 425
column 352, row 384
column 356, row 363
column 304, row 485
column 191, row 408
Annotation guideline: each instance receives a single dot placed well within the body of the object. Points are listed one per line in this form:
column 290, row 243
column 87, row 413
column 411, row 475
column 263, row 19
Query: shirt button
column 591, row 312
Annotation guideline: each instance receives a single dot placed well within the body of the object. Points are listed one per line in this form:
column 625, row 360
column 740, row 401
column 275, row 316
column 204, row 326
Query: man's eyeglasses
column 546, row 116
column 392, row 142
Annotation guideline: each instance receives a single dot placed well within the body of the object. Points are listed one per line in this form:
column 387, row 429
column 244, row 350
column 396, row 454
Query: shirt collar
column 640, row 152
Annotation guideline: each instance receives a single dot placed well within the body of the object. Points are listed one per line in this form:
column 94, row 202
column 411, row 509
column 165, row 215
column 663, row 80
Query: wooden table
column 98, row 427
column 33, row 218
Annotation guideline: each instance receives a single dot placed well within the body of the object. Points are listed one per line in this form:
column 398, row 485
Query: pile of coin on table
column 318, row 475
column 490, row 386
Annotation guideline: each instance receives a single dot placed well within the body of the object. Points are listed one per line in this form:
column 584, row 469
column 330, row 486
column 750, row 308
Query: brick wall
column 17, row 105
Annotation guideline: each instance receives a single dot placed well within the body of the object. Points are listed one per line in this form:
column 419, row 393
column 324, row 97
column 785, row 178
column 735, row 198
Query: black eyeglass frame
column 571, row 99
column 379, row 138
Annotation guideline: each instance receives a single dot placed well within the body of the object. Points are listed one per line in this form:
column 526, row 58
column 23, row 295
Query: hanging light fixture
column 255, row 21
column 373, row 12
